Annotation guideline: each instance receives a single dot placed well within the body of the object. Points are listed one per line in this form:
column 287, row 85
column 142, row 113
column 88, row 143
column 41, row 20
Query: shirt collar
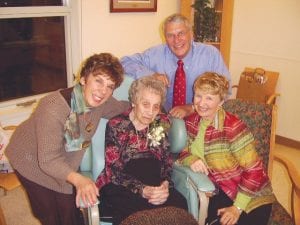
column 218, row 122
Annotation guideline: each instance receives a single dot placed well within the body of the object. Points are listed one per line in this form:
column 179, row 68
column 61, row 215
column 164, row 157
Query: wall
column 266, row 34
column 121, row 33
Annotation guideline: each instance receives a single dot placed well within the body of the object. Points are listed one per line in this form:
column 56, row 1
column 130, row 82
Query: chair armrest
column 195, row 187
column 91, row 215
column 177, row 135
column 272, row 98
column 294, row 175
column 200, row 180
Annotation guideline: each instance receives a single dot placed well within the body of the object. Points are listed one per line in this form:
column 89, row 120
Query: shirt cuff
column 242, row 201
column 189, row 160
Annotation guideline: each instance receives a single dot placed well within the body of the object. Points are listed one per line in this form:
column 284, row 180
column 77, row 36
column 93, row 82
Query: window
column 37, row 50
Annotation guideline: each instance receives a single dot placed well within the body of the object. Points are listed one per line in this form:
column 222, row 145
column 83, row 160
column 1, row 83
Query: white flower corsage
column 156, row 135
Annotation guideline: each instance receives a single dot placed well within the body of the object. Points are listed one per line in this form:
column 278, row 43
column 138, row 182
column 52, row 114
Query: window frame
column 71, row 10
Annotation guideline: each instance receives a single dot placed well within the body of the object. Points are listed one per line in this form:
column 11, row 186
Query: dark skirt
column 258, row 216
column 118, row 202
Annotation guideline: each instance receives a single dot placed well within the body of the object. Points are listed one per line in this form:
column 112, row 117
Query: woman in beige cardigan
column 46, row 150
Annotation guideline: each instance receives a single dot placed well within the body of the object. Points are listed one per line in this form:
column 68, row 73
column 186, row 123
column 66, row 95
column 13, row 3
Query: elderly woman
column 137, row 173
column 221, row 146
column 46, row 150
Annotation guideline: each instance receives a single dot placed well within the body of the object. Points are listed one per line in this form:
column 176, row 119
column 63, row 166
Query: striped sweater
column 230, row 155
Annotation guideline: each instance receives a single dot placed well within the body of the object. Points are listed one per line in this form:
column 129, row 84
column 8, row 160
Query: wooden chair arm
column 11, row 127
column 9, row 181
column 272, row 98
column 294, row 175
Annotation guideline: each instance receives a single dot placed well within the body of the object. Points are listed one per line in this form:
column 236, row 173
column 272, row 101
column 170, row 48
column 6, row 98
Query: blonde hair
column 212, row 83
column 147, row 82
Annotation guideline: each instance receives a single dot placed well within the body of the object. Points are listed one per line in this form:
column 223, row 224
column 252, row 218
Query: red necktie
column 179, row 89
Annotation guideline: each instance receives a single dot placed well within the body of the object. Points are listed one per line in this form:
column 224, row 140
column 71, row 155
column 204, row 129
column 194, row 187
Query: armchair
column 261, row 120
column 93, row 163
column 257, row 85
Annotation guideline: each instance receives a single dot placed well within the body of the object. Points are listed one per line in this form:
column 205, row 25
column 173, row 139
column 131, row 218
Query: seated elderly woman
column 137, row 173
column 221, row 146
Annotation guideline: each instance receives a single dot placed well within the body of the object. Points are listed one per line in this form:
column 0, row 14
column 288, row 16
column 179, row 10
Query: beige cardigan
column 36, row 149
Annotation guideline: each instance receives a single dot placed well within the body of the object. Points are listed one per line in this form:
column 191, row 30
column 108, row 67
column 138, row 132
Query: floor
column 280, row 179
column 15, row 206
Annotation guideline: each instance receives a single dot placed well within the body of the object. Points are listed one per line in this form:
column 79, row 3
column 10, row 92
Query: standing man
column 177, row 63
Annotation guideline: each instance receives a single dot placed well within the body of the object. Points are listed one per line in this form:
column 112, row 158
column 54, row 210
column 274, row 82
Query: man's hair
column 176, row 18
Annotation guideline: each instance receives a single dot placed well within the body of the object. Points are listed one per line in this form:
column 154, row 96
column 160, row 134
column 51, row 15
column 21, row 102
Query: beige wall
column 121, row 33
column 266, row 34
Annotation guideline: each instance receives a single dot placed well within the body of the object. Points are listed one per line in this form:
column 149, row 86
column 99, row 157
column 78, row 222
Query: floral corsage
column 157, row 133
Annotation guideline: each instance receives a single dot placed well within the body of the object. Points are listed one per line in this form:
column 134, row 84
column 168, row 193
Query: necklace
column 140, row 141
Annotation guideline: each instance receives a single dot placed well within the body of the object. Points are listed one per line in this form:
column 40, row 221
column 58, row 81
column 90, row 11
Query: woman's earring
column 82, row 81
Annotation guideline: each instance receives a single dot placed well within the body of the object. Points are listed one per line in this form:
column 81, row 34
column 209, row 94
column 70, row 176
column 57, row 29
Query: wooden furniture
column 261, row 119
column 289, row 162
column 225, row 8
column 258, row 85
column 8, row 181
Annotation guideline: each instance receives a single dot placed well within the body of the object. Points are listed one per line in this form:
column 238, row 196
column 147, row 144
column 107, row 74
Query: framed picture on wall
column 133, row 5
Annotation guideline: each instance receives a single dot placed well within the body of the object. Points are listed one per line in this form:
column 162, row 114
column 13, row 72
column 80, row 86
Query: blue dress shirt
column 159, row 59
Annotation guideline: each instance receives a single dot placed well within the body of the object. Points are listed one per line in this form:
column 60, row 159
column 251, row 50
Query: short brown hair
column 103, row 63
column 212, row 83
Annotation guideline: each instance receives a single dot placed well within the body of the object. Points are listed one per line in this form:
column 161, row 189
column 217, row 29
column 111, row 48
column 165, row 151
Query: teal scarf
column 74, row 139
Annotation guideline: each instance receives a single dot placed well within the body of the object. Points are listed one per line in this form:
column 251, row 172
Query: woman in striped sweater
column 221, row 146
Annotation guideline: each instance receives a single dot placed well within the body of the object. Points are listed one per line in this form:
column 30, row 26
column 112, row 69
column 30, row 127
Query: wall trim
column 287, row 142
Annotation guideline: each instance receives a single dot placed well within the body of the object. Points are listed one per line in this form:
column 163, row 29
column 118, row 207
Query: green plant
column 206, row 21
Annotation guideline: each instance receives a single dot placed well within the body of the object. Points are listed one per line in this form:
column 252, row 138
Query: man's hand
column 157, row 195
column 181, row 111
column 163, row 78
column 229, row 215
column 199, row 166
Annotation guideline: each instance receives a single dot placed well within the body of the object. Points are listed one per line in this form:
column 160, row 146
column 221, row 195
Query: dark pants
column 258, row 216
column 50, row 207
column 119, row 202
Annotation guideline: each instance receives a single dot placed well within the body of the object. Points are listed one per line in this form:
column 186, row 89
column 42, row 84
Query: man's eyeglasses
column 178, row 35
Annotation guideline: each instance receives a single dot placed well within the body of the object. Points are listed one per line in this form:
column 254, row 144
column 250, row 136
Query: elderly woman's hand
column 86, row 190
column 157, row 195
column 199, row 166
column 229, row 215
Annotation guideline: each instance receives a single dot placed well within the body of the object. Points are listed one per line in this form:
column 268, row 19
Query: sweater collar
column 218, row 122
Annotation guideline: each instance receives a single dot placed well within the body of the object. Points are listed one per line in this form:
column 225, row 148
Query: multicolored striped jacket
column 231, row 158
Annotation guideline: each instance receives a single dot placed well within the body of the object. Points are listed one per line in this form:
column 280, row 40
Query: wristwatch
column 239, row 209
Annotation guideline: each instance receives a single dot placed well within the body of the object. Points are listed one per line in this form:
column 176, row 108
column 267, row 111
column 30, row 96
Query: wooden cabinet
column 225, row 10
